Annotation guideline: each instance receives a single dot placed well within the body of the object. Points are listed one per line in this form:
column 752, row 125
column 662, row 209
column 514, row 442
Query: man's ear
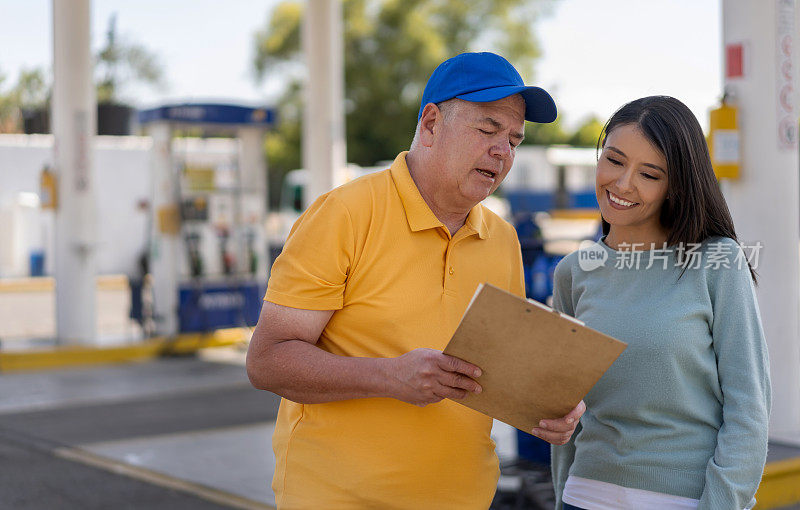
column 429, row 124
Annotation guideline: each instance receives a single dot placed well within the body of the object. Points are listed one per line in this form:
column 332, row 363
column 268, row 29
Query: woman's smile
column 619, row 203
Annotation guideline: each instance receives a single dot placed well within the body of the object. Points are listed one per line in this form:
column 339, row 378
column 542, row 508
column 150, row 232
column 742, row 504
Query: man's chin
column 484, row 195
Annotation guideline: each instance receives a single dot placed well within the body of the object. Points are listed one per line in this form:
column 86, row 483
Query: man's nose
column 501, row 149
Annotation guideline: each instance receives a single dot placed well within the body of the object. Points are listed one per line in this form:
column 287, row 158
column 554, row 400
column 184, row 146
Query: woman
column 679, row 421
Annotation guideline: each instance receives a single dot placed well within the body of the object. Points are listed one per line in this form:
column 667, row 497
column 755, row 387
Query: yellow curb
column 112, row 282
column 575, row 214
column 780, row 484
column 48, row 283
column 191, row 342
column 69, row 356
column 42, row 284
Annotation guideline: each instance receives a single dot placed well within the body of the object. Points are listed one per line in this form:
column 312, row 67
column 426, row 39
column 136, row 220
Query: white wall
column 122, row 173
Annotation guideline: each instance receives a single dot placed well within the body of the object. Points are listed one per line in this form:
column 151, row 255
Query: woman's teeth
column 619, row 201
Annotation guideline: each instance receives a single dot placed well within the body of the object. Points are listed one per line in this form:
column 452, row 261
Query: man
column 371, row 284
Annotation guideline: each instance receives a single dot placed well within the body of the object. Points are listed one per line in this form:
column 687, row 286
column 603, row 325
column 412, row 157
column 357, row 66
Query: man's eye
column 485, row 132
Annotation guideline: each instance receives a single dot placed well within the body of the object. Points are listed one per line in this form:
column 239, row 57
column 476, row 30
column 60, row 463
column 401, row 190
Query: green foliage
column 8, row 109
column 554, row 133
column 283, row 144
column 117, row 63
column 31, row 92
column 279, row 42
column 545, row 134
column 120, row 62
column 32, row 89
column 391, row 47
column 587, row 133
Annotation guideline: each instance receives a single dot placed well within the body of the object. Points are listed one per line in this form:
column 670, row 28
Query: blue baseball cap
column 485, row 77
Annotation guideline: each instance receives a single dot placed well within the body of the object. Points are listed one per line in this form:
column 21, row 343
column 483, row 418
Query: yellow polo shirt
column 374, row 251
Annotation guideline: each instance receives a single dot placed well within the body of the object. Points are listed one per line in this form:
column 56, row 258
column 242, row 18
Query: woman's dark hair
column 695, row 209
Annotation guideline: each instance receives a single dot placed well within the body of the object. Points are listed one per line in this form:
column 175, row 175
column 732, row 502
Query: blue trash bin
column 37, row 263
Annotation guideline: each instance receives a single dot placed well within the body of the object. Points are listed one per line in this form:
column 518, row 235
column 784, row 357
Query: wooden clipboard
column 536, row 362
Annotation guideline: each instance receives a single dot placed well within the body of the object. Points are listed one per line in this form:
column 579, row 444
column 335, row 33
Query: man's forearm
column 304, row 373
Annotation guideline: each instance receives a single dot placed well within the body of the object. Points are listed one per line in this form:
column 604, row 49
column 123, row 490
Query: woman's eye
column 613, row 161
column 649, row 176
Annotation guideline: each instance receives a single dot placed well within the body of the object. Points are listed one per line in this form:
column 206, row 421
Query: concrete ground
column 171, row 433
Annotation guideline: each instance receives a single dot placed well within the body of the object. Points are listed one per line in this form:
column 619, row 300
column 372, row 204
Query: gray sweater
column 684, row 410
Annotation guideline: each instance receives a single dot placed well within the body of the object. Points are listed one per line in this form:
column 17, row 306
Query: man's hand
column 559, row 431
column 426, row 376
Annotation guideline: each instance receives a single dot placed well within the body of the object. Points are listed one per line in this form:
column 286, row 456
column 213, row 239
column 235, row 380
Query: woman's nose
column 625, row 181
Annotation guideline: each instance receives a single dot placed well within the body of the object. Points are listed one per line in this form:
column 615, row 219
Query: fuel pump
column 214, row 271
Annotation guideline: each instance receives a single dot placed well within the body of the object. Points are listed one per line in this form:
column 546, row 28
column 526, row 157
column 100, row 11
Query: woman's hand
column 559, row 431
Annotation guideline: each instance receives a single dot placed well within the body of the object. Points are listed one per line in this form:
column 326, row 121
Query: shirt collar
column 418, row 214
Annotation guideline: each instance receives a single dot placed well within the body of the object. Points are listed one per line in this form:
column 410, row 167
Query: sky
column 596, row 55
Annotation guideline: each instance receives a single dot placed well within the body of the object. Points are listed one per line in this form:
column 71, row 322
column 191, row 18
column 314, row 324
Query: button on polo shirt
column 374, row 252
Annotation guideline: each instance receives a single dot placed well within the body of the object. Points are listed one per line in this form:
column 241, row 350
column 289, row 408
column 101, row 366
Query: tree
column 8, row 109
column 391, row 48
column 587, row 133
column 30, row 94
column 121, row 62
column 545, row 134
column 116, row 64
column 32, row 89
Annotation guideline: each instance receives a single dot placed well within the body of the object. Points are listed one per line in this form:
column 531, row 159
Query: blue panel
column 136, row 312
column 584, row 200
column 530, row 201
column 209, row 306
column 209, row 113
column 533, row 449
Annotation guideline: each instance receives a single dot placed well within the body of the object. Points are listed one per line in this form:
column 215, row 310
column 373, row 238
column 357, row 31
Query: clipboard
column 536, row 362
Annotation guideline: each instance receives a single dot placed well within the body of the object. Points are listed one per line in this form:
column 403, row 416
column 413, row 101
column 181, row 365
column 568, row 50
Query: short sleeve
column 312, row 269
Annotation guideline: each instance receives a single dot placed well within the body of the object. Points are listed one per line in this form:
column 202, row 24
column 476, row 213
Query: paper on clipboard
column 537, row 363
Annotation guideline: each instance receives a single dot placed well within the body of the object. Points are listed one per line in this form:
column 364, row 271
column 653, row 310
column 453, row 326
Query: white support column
column 253, row 173
column 74, row 125
column 765, row 202
column 324, row 150
column 252, row 165
column 164, row 240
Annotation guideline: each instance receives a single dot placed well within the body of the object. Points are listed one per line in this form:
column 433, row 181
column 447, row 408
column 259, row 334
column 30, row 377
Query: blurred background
column 136, row 235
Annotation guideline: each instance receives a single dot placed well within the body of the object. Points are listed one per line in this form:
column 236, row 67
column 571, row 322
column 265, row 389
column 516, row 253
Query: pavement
column 172, row 433
column 169, row 433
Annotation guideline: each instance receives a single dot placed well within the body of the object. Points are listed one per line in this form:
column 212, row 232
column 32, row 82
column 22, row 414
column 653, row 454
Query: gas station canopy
column 210, row 113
